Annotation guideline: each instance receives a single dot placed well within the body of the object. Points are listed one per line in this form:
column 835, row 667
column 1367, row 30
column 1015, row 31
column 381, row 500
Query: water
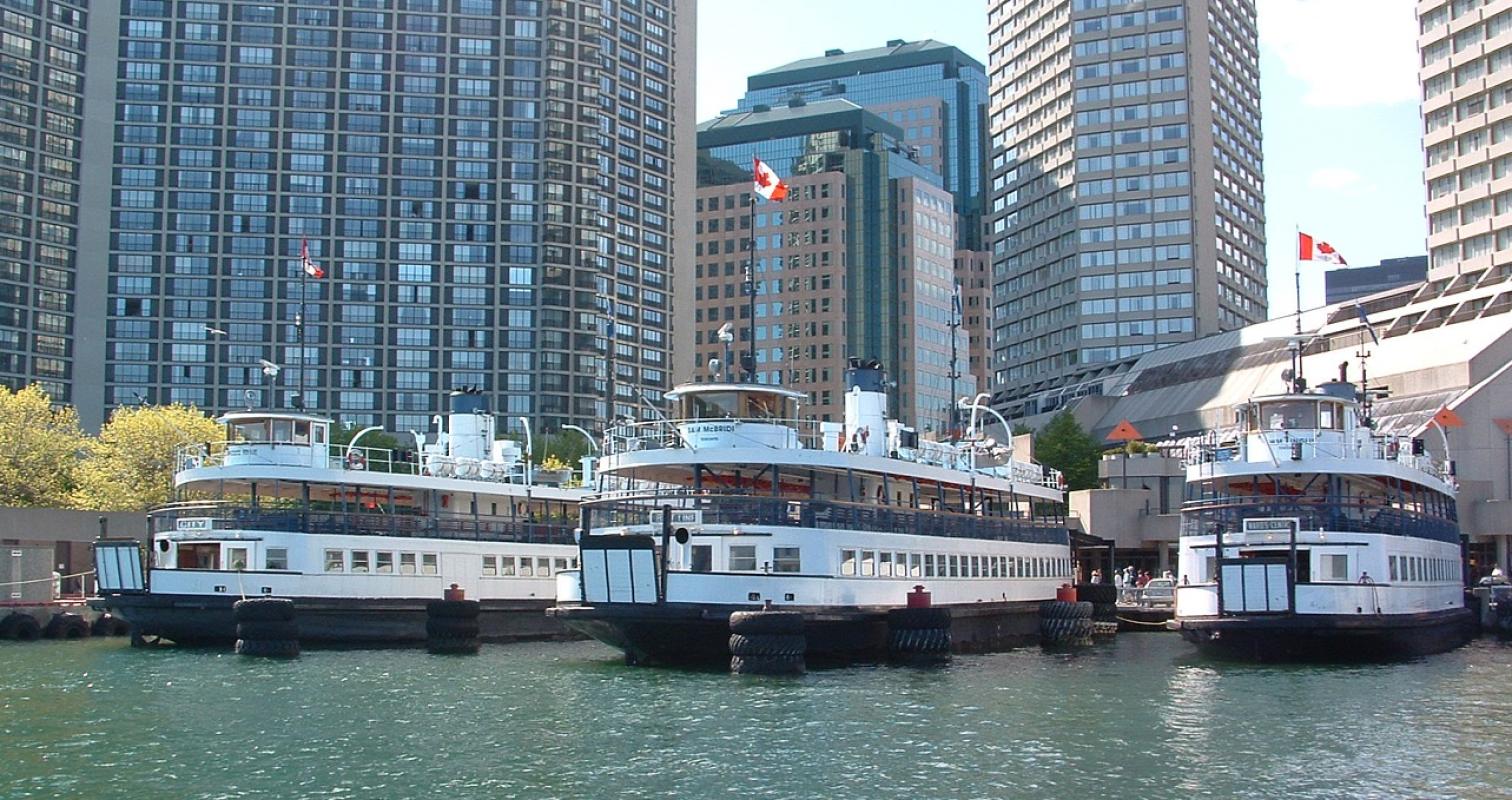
column 1140, row 717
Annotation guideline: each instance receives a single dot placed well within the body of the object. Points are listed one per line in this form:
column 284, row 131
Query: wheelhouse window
column 786, row 559
column 742, row 558
column 1288, row 414
column 335, row 561
column 277, row 558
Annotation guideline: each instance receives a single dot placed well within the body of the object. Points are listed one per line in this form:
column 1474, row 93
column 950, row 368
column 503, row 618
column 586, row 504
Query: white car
column 1158, row 593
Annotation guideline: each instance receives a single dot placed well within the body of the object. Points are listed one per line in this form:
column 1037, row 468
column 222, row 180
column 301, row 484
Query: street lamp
column 586, row 461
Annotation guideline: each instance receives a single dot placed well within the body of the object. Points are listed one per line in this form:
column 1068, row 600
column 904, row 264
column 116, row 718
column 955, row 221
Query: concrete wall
column 34, row 542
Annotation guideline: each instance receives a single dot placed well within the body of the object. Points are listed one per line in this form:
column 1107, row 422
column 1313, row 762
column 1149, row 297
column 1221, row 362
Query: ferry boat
column 360, row 538
column 735, row 504
column 1306, row 535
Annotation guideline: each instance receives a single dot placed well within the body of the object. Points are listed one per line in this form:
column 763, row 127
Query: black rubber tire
column 766, row 665
column 109, row 625
column 266, row 631
column 918, row 641
column 763, row 622
column 1065, row 631
column 769, row 644
column 1097, row 593
column 918, row 619
column 1062, row 609
column 66, row 625
column 452, row 609
column 452, row 645
column 263, row 609
column 267, row 648
column 451, row 628
column 20, row 627
column 1105, row 612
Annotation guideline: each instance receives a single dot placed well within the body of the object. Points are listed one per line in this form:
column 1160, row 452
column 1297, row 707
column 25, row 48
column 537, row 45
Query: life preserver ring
column 356, row 460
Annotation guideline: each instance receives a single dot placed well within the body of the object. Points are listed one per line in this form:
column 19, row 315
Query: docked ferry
column 734, row 503
column 1307, row 535
column 360, row 538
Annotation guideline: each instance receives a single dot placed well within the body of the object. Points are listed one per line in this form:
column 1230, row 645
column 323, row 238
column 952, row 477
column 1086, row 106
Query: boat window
column 560, row 564
column 506, row 565
column 900, row 565
column 1331, row 416
column 1334, row 567
column 301, row 432
column 282, row 430
column 742, row 558
column 543, row 567
column 759, row 405
column 250, row 431
column 527, row 567
column 786, row 559
column 383, row 563
column 847, row 562
column 868, row 562
column 359, row 561
column 277, row 558
column 428, row 564
column 703, row 558
column 335, row 561
column 320, row 434
column 929, row 565
column 915, row 565
column 884, row 565
column 955, row 567
column 710, row 405
column 490, row 566
column 406, row 563
column 236, row 559
column 1392, row 563
column 1288, row 414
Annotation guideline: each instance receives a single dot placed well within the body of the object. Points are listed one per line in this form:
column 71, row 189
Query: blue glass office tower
column 934, row 92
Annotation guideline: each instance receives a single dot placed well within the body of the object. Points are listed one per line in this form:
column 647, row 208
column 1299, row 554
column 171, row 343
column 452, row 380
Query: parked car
column 1158, row 593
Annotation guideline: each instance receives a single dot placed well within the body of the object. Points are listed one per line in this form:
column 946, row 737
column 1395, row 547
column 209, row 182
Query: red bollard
column 918, row 598
column 454, row 593
column 1066, row 592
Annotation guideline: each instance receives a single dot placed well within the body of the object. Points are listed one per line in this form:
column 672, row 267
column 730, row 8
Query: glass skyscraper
column 488, row 186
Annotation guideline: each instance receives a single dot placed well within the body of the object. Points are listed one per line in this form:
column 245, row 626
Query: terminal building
column 1443, row 343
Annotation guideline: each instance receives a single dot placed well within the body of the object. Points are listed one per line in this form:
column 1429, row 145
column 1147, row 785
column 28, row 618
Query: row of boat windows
column 883, row 564
column 382, row 562
column 524, row 566
column 1422, row 568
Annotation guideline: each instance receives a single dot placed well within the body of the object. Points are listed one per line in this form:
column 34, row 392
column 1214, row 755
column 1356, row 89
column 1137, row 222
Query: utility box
column 26, row 571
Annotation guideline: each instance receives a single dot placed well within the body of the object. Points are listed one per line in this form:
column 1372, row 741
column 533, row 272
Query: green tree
column 567, row 446
column 39, row 449
column 130, row 466
column 1063, row 445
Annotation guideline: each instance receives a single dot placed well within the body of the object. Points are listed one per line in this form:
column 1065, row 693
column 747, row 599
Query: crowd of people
column 1129, row 577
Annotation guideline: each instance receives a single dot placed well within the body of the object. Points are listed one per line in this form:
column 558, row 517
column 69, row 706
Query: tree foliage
column 566, row 446
column 39, row 449
column 1063, row 444
column 130, row 466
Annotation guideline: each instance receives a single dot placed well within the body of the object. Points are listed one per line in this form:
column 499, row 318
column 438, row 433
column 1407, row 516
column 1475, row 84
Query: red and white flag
column 768, row 185
column 1310, row 250
column 310, row 267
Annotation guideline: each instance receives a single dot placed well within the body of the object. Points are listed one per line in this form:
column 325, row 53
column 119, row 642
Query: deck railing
column 1227, row 515
column 210, row 517
column 1277, row 445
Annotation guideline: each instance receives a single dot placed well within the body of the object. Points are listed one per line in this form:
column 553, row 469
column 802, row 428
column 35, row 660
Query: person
column 1144, row 578
column 1118, row 579
column 1168, row 575
column 1365, row 578
column 1096, row 576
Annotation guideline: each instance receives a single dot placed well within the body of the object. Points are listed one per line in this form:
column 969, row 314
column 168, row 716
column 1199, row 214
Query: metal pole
column 750, row 286
column 955, row 359
column 304, row 282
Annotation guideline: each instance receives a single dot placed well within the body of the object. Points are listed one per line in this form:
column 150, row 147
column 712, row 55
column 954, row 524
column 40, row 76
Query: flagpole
column 304, row 282
column 1297, row 272
column 751, row 293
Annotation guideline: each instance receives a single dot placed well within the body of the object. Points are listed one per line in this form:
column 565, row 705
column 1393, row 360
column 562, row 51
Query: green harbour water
column 1140, row 717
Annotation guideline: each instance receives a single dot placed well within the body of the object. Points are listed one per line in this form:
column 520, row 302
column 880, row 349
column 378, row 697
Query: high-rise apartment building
column 489, row 186
column 1126, row 198
column 856, row 262
column 42, row 68
column 1466, row 72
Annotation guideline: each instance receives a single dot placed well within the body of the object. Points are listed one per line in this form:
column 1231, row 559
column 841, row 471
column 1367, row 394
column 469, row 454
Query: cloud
column 1336, row 179
column 1347, row 53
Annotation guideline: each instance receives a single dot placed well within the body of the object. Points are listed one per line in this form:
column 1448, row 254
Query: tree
column 1063, row 445
column 130, row 466
column 569, row 447
column 39, row 449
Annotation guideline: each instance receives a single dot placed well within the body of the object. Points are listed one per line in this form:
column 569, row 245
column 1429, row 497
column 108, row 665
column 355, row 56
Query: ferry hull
column 1329, row 637
column 200, row 620
column 679, row 634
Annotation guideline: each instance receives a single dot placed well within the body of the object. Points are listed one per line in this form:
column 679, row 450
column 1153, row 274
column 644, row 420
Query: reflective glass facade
column 42, row 51
column 485, row 183
column 1127, row 208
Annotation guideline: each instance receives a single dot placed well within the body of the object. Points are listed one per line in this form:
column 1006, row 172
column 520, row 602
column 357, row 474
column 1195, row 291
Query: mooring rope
column 47, row 580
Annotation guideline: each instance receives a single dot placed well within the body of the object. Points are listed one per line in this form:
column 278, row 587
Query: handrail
column 1227, row 515
column 243, row 517
column 346, row 459
column 1232, row 445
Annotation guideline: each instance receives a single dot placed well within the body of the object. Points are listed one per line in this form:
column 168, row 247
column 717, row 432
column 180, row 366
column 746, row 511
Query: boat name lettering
column 1263, row 524
column 195, row 524
column 712, row 427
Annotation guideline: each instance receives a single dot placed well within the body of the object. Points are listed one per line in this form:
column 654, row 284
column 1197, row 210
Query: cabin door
column 1254, row 585
column 619, row 569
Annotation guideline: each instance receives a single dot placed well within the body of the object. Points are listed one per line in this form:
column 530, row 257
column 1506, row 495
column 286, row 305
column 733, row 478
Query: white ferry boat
column 1307, row 535
column 736, row 504
column 358, row 538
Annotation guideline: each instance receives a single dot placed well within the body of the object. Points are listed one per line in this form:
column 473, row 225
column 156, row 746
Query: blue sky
column 1342, row 133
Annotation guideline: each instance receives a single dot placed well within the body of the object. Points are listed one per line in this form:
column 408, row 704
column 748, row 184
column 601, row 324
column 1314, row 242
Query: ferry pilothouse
column 735, row 504
column 360, row 538
column 1307, row 535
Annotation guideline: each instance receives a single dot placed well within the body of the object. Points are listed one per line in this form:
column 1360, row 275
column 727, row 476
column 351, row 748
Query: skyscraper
column 485, row 185
column 1126, row 198
column 42, row 65
column 856, row 262
column 1466, row 74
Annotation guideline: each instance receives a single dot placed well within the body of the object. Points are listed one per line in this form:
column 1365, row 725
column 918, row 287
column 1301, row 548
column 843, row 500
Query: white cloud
column 1347, row 52
column 1336, row 179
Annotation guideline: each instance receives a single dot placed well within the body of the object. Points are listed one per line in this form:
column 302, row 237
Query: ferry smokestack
column 866, row 407
column 470, row 424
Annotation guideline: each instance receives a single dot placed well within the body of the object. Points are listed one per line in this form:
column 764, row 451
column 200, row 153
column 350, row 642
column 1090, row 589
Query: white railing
column 354, row 460
column 1233, row 445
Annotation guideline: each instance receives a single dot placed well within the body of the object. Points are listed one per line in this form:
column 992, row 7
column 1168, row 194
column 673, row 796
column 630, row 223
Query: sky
column 1341, row 128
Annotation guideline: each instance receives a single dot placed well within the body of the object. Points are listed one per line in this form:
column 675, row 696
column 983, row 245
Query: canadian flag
column 310, row 267
column 768, row 185
column 1309, row 250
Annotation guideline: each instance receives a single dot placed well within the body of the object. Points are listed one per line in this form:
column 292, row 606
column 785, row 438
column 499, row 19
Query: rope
column 48, row 580
column 1138, row 622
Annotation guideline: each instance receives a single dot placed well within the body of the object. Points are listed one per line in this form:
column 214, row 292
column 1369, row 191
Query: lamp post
column 586, row 461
